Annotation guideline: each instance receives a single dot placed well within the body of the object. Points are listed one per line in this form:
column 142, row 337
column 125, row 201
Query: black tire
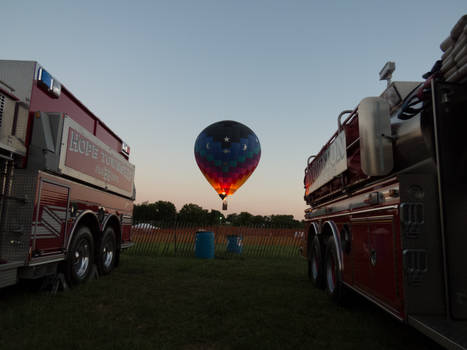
column 107, row 253
column 332, row 274
column 80, row 257
column 315, row 263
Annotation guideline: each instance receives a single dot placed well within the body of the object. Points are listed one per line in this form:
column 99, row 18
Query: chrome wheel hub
column 81, row 261
column 108, row 253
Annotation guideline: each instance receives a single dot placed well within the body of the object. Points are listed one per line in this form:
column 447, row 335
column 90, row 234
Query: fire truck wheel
column 107, row 252
column 315, row 263
column 80, row 257
column 333, row 279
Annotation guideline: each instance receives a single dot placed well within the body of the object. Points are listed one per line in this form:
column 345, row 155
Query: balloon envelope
column 227, row 153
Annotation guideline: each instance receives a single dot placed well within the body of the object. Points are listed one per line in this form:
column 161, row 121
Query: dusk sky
column 159, row 72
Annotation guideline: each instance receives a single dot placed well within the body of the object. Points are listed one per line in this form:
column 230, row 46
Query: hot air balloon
column 227, row 153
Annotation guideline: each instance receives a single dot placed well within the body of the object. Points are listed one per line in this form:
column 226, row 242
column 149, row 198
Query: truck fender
column 79, row 219
column 337, row 240
column 313, row 230
column 106, row 222
column 315, row 227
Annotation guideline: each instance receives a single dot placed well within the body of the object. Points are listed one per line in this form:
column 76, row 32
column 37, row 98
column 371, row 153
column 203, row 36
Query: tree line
column 165, row 212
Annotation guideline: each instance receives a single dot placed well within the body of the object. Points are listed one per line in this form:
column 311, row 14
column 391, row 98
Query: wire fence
column 180, row 240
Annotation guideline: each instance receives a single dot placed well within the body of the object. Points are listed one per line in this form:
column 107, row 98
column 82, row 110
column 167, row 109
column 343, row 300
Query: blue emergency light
column 45, row 78
column 47, row 81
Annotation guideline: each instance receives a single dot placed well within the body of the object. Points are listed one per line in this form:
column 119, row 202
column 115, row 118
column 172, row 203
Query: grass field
column 186, row 303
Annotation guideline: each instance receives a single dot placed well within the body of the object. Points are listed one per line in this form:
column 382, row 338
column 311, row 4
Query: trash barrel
column 204, row 245
column 234, row 244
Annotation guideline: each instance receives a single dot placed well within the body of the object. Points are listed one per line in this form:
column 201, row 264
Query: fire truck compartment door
column 383, row 260
column 49, row 225
column 45, row 141
column 375, row 259
column 360, row 251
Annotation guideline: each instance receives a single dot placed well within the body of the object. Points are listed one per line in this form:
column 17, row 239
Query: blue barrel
column 234, row 244
column 204, row 245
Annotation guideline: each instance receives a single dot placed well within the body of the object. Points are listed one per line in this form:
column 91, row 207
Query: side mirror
column 375, row 136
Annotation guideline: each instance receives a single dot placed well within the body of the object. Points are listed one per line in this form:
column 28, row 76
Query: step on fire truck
column 66, row 184
column 387, row 198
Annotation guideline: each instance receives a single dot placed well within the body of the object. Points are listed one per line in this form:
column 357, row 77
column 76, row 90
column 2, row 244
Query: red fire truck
column 67, row 186
column 387, row 196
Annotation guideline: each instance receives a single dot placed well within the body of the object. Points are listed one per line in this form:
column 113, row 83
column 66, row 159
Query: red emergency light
column 125, row 149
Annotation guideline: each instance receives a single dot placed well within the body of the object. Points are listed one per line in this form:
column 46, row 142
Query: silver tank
column 413, row 140
column 412, row 135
